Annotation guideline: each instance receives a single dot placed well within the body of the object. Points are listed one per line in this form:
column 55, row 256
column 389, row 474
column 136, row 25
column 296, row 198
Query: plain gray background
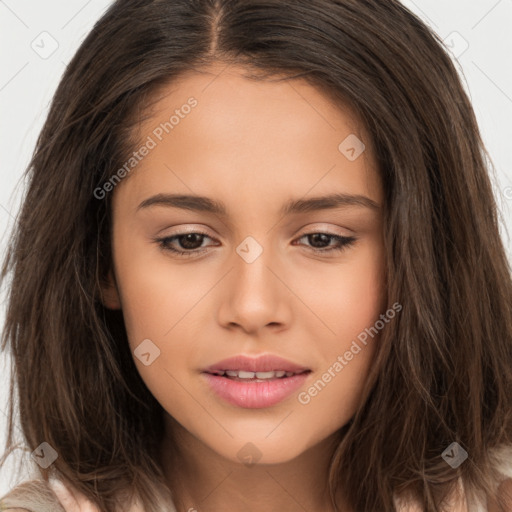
column 39, row 38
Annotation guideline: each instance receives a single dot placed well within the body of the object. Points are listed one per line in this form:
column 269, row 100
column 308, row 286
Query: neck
column 201, row 479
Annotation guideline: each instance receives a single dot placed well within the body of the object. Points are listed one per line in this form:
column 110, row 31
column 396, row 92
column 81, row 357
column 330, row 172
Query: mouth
column 254, row 390
column 246, row 376
column 255, row 382
column 265, row 366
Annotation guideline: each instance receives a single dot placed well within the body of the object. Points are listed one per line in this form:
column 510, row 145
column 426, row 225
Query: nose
column 255, row 293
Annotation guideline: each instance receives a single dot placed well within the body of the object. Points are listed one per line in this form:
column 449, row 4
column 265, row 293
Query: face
column 271, row 273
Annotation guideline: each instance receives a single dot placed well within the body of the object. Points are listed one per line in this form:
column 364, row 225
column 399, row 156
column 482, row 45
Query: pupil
column 189, row 241
column 321, row 236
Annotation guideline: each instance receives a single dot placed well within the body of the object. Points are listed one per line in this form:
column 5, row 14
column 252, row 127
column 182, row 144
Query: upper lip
column 263, row 363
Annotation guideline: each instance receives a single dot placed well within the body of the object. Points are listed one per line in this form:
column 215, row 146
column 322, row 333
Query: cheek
column 350, row 304
column 346, row 297
column 158, row 300
column 153, row 290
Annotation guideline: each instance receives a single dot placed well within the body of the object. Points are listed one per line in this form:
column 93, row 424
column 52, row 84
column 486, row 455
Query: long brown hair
column 443, row 370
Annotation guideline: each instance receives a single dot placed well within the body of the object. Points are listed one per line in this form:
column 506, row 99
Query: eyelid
column 314, row 228
column 327, row 228
column 179, row 230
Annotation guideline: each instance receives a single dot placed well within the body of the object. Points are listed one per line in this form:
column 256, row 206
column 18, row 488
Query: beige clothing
column 38, row 496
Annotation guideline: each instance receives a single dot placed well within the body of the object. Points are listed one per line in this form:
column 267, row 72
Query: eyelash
column 344, row 242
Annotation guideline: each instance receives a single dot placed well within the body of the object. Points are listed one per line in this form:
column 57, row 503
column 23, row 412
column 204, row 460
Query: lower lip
column 255, row 395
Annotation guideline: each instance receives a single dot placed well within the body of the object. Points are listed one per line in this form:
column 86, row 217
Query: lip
column 263, row 363
column 255, row 394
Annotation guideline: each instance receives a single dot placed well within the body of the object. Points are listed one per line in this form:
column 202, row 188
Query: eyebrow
column 294, row 206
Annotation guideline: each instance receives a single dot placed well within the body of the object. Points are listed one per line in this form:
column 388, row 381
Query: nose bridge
column 253, row 257
column 255, row 294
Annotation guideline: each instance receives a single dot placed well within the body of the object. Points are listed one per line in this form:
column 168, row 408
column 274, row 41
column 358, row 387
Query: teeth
column 241, row 374
column 245, row 375
column 265, row 375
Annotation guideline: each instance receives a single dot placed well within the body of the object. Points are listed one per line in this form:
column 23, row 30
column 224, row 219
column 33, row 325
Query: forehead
column 232, row 98
column 244, row 133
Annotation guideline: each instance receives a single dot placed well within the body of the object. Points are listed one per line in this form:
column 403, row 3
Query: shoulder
column 31, row 496
column 43, row 496
column 502, row 462
column 505, row 494
column 52, row 496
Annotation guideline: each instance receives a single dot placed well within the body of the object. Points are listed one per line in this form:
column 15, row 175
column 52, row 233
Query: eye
column 341, row 242
column 190, row 243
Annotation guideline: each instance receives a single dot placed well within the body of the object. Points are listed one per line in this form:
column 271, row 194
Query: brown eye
column 189, row 244
column 320, row 242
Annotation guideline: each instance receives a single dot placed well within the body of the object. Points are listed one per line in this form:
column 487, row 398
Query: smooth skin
column 252, row 145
